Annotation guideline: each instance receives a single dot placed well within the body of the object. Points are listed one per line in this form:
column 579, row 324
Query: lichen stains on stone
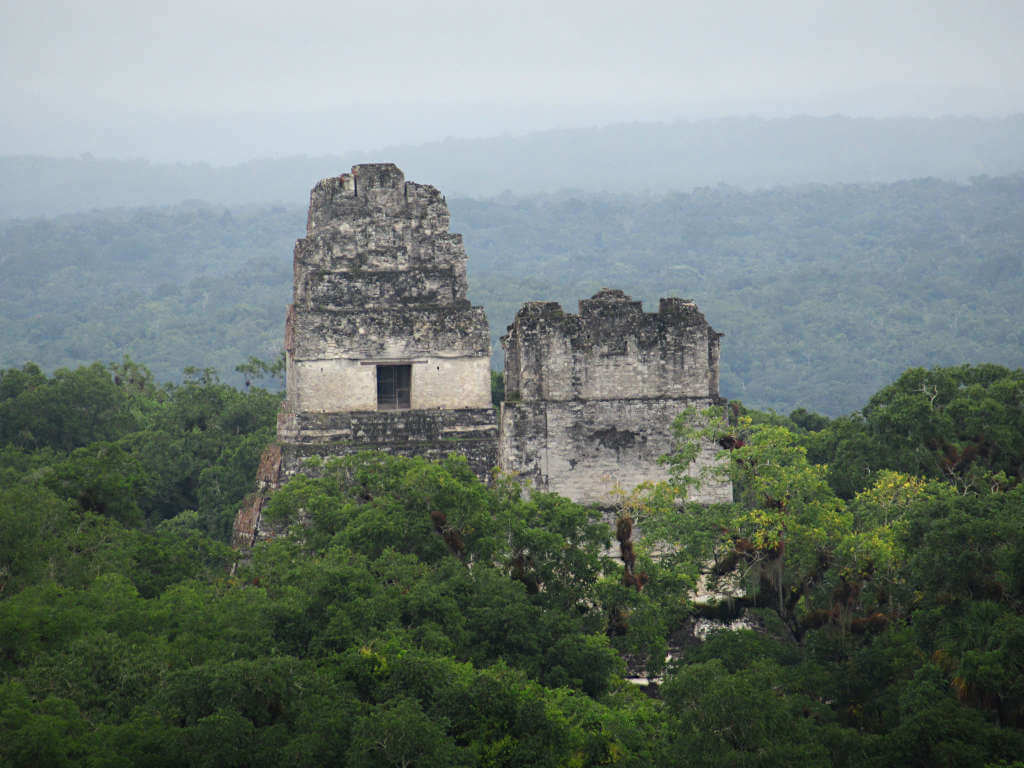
column 379, row 284
column 380, row 297
column 614, row 438
column 598, row 392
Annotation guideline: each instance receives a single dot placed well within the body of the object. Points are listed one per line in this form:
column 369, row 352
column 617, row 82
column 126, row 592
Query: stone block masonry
column 384, row 352
column 379, row 280
column 590, row 398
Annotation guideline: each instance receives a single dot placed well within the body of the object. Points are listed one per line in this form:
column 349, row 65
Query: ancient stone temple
column 590, row 398
column 383, row 350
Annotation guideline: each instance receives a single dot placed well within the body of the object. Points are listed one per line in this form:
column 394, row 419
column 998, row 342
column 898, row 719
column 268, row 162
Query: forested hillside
column 824, row 292
column 420, row 617
column 186, row 285
column 748, row 152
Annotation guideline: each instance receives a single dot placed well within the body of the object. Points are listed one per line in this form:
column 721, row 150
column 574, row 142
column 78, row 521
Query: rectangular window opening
column 394, row 383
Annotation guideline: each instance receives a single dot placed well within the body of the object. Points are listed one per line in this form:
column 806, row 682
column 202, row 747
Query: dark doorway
column 393, row 385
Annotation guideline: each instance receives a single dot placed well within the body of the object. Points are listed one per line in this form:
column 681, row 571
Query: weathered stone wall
column 590, row 398
column 379, row 279
column 585, row 449
column 432, row 434
column 351, row 385
column 249, row 518
column 611, row 349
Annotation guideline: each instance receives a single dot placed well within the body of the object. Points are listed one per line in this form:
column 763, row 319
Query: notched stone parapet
column 611, row 349
column 592, row 396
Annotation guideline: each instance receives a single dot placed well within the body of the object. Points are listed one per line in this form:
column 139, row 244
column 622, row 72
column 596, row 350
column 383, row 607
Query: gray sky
column 137, row 77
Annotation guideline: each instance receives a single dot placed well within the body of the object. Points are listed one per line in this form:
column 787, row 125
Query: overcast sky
column 136, row 77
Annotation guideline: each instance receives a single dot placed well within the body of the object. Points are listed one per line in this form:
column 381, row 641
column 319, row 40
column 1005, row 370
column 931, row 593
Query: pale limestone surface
column 379, row 280
column 591, row 398
column 351, row 385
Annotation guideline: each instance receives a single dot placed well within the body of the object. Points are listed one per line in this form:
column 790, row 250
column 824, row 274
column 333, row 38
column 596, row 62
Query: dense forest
column 185, row 285
column 860, row 603
column 422, row 618
column 824, row 293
